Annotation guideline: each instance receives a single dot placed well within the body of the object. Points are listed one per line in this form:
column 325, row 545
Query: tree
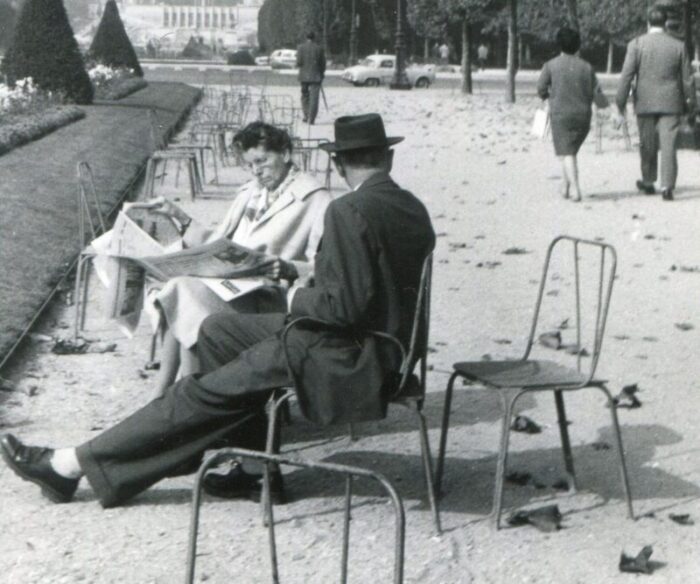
column 111, row 45
column 512, row 50
column 610, row 22
column 7, row 23
column 467, row 12
column 44, row 48
column 428, row 19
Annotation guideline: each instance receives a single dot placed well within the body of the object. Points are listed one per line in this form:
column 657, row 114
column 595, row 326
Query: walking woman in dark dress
column 571, row 86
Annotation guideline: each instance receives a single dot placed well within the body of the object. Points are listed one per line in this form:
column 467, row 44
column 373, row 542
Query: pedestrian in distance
column 482, row 55
column 658, row 68
column 571, row 86
column 311, row 61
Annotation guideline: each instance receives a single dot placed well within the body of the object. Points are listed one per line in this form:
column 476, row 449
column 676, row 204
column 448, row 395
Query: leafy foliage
column 111, row 45
column 43, row 48
column 7, row 23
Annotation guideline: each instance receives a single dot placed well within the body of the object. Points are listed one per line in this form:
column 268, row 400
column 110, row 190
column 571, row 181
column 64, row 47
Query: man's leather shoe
column 645, row 188
column 238, row 484
column 667, row 194
column 34, row 464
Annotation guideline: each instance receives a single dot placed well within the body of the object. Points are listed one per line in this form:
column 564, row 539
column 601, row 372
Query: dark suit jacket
column 660, row 68
column 367, row 275
column 571, row 86
column 311, row 61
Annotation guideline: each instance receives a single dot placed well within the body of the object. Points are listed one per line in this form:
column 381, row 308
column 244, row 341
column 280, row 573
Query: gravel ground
column 489, row 187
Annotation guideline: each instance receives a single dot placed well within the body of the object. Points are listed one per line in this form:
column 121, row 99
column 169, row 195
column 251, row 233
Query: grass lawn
column 38, row 193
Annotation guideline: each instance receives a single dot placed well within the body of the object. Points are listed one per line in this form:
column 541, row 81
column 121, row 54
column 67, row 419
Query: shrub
column 196, row 49
column 20, row 129
column 44, row 48
column 7, row 23
column 111, row 45
column 240, row 58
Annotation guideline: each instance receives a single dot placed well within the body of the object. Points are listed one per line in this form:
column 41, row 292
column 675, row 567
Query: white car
column 375, row 70
column 283, row 59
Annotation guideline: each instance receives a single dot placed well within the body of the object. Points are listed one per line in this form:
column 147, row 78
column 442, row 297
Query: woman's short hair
column 261, row 134
column 569, row 40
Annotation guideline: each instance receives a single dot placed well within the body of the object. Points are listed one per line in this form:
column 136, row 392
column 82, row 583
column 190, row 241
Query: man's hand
column 282, row 270
column 619, row 119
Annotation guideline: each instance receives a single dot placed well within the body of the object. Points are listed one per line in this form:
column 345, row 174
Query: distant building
column 170, row 24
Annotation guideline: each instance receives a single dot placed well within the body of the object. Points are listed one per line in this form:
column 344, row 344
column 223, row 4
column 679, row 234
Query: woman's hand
column 165, row 207
column 280, row 269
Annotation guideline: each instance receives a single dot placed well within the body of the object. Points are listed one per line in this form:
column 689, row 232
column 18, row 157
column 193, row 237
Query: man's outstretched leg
column 171, row 430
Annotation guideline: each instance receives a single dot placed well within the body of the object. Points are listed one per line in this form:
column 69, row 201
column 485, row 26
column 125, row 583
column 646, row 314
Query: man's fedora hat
column 358, row 132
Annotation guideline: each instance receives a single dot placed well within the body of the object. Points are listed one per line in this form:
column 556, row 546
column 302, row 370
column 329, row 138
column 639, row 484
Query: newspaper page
column 219, row 259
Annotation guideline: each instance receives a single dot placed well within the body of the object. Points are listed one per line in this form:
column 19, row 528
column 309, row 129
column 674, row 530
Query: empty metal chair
column 512, row 379
column 349, row 472
column 308, row 156
column 90, row 224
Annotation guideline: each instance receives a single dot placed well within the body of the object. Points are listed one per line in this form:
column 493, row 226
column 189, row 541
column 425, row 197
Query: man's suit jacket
column 660, row 68
column 291, row 228
column 311, row 61
column 367, row 276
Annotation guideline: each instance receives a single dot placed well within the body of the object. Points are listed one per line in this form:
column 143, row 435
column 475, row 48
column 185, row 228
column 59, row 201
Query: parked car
column 377, row 69
column 283, row 59
column 262, row 60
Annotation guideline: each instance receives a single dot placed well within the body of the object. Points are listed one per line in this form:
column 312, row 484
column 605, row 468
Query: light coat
column 659, row 67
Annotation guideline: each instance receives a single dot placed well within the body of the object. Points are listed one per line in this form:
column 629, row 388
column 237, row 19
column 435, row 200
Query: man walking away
column 311, row 61
column 482, row 55
column 659, row 67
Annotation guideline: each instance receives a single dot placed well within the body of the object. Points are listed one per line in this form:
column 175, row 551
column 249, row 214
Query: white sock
column 65, row 462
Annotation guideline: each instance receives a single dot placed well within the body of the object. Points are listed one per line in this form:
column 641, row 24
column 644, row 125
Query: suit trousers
column 658, row 130
column 309, row 100
column 242, row 361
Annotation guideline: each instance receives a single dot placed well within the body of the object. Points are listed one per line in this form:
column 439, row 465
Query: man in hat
column 311, row 62
column 367, row 274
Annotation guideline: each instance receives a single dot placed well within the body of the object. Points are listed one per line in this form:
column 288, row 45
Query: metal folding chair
column 161, row 153
column 349, row 472
column 512, row 379
column 91, row 223
column 308, row 156
column 409, row 391
column 599, row 123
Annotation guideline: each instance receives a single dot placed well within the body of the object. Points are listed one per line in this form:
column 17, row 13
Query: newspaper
column 145, row 243
column 219, row 259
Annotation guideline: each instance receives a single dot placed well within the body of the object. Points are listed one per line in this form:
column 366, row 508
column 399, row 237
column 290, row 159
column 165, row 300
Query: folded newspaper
column 144, row 242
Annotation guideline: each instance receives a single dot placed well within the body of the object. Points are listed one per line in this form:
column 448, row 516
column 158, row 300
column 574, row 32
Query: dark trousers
column 658, row 130
column 309, row 100
column 242, row 361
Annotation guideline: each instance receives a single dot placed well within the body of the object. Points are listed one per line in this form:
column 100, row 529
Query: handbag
column 540, row 123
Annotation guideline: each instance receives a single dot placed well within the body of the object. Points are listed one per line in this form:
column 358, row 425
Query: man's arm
column 544, row 82
column 345, row 284
column 690, row 98
column 629, row 71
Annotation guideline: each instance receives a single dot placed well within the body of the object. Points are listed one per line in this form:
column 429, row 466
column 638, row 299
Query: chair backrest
column 309, row 157
column 417, row 352
column 90, row 219
column 593, row 264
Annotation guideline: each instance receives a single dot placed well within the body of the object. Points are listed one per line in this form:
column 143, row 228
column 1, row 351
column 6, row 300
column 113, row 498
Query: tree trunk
column 611, row 51
column 512, row 50
column 573, row 14
column 426, row 49
column 466, row 58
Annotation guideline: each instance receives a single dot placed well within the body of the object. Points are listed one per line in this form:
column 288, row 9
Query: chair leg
column 177, row 173
column 150, row 178
column 272, row 446
column 164, row 172
column 620, row 451
column 509, row 397
column 215, row 165
column 428, row 469
column 87, row 265
column 346, row 530
column 565, row 441
column 77, row 300
column 443, row 433
column 190, row 173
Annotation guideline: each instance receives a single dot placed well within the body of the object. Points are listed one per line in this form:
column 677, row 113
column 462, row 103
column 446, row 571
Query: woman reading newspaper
column 280, row 213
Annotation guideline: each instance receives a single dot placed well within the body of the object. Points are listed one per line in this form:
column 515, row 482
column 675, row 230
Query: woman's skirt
column 568, row 132
column 185, row 302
